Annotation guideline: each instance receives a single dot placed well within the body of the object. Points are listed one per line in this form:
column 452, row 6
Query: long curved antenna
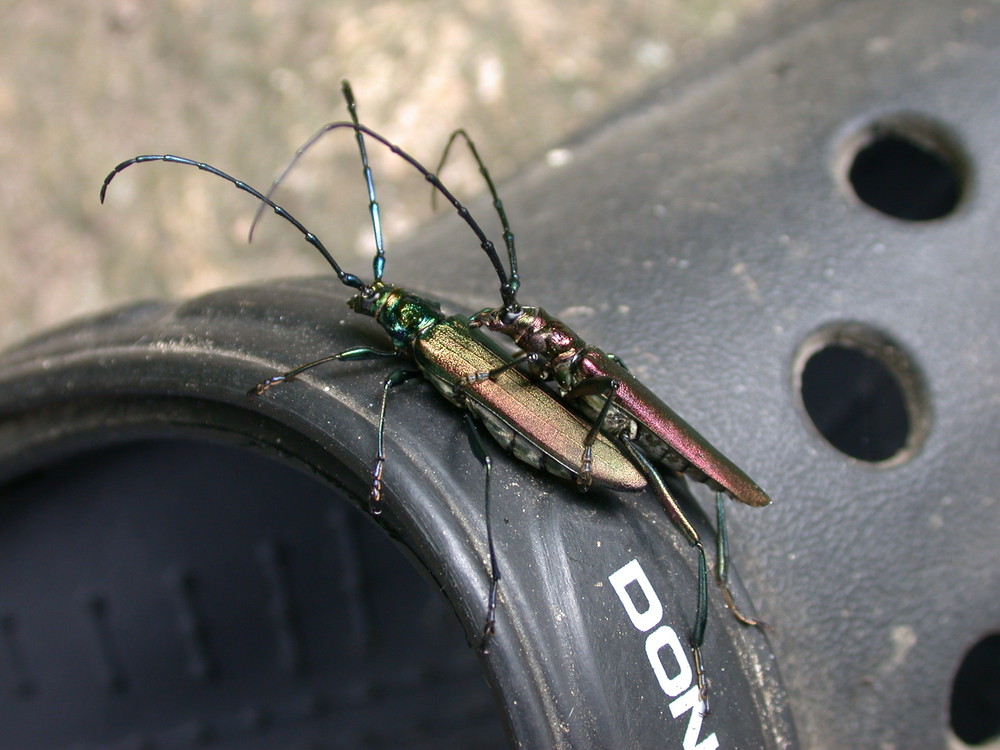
column 508, row 235
column 378, row 263
column 347, row 278
column 508, row 285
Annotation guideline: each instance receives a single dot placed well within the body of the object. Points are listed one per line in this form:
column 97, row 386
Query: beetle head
column 369, row 299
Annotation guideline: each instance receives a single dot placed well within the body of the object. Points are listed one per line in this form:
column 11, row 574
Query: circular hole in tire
column 975, row 696
column 862, row 393
column 905, row 167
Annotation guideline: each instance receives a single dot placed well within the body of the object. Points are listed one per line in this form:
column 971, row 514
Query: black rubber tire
column 167, row 579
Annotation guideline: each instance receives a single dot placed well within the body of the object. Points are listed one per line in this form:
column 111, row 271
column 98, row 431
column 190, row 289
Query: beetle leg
column 597, row 386
column 479, row 450
column 511, row 286
column 698, row 636
column 722, row 562
column 619, row 361
column 375, row 496
column 478, row 377
column 348, row 355
column 680, row 521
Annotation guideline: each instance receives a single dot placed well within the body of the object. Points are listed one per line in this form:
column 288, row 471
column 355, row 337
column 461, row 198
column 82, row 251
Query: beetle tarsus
column 585, row 477
column 375, row 496
column 699, row 671
column 745, row 619
column 265, row 385
column 477, row 377
column 490, row 626
column 484, row 642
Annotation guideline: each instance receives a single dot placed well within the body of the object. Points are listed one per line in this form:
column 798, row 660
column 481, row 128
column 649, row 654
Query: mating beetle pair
column 603, row 426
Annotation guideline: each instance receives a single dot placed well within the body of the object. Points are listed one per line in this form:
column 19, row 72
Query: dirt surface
column 84, row 86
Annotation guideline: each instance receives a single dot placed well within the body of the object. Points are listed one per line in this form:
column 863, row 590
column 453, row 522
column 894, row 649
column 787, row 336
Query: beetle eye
column 509, row 316
column 364, row 300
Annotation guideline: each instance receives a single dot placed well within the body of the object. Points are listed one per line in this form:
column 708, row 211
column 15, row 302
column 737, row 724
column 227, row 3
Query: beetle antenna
column 347, row 278
column 378, row 263
column 508, row 287
column 514, row 282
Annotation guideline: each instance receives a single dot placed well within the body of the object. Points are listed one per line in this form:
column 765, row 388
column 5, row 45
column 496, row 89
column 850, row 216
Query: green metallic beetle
column 525, row 419
column 470, row 371
column 597, row 386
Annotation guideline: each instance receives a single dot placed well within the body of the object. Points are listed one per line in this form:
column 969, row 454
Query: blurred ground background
column 84, row 86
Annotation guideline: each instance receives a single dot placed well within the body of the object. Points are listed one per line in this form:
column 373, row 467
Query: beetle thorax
column 554, row 347
column 539, row 333
column 403, row 315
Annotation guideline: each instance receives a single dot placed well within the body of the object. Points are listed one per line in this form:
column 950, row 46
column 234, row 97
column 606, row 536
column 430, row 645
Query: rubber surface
column 180, row 593
column 562, row 659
